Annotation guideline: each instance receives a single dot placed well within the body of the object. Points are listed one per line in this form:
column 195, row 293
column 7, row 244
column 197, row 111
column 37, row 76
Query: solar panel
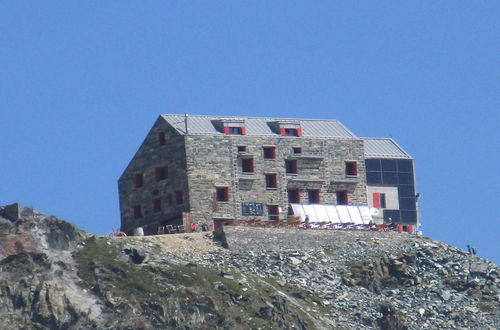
column 321, row 213
column 343, row 214
column 299, row 210
column 332, row 213
column 354, row 213
column 366, row 215
column 309, row 210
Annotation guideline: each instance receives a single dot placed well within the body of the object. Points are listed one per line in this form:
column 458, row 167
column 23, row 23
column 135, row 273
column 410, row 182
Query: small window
column 382, row 201
column 242, row 148
column 156, row 205
column 271, row 181
column 269, row 152
column 161, row 173
column 293, row 196
column 351, row 168
column 247, row 165
column 290, row 132
column 297, row 150
column 342, row 198
column 161, row 138
column 234, row 130
column 291, row 166
column 138, row 180
column 274, row 212
column 179, row 197
column 313, row 196
column 137, row 211
column 222, row 194
column 379, row 200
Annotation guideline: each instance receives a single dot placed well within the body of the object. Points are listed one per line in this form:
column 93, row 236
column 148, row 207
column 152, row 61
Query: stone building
column 222, row 168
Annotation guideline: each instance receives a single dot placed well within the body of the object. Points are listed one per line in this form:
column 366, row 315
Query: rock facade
column 197, row 165
column 215, row 162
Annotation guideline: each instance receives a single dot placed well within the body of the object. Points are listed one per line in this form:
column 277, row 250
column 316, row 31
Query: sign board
column 252, row 209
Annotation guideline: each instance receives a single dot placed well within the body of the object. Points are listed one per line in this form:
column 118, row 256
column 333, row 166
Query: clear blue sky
column 81, row 83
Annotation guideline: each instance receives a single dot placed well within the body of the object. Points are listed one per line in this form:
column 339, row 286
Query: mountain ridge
column 56, row 276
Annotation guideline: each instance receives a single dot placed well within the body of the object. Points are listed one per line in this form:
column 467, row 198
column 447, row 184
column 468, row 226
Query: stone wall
column 214, row 161
column 151, row 155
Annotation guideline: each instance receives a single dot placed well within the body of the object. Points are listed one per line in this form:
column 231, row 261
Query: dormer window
column 234, row 130
column 286, row 127
column 291, row 132
column 230, row 126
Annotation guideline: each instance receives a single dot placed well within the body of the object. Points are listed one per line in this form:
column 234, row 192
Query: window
column 313, row 196
column 179, row 198
column 138, row 180
column 351, row 168
column 291, row 131
column 161, row 173
column 271, row 181
column 247, row 165
column 291, row 166
column 156, row 205
column 269, row 152
column 234, row 130
column 379, row 200
column 297, row 150
column 137, row 211
column 342, row 197
column 242, row 148
column 222, row 194
column 161, row 138
column 293, row 196
column 274, row 212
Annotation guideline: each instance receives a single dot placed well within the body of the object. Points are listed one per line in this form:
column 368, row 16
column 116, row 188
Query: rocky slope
column 55, row 276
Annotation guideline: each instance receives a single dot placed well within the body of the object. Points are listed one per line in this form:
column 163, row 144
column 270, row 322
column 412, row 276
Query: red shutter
column 294, row 166
column 316, row 195
column 376, row 200
column 250, row 163
column 226, row 194
column 355, row 168
column 226, row 129
column 299, row 131
column 282, row 132
column 243, row 131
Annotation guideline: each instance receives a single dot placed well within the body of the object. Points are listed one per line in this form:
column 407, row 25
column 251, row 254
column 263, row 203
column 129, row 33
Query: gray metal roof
column 383, row 148
column 319, row 128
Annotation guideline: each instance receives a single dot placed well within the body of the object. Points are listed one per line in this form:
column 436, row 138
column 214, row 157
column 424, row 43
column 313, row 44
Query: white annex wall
column 391, row 196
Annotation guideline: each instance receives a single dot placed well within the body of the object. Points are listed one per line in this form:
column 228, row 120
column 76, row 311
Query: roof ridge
column 250, row 117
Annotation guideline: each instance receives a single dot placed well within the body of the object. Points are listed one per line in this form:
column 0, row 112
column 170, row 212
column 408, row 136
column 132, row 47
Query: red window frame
column 235, row 130
column 293, row 196
column 291, row 166
column 274, row 212
column 137, row 211
column 379, row 200
column 247, row 165
column 351, row 168
column 313, row 196
column 161, row 138
column 290, row 131
column 271, row 180
column 269, row 152
column 138, row 180
column 342, row 197
column 179, row 197
column 161, row 173
column 156, row 204
column 222, row 194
